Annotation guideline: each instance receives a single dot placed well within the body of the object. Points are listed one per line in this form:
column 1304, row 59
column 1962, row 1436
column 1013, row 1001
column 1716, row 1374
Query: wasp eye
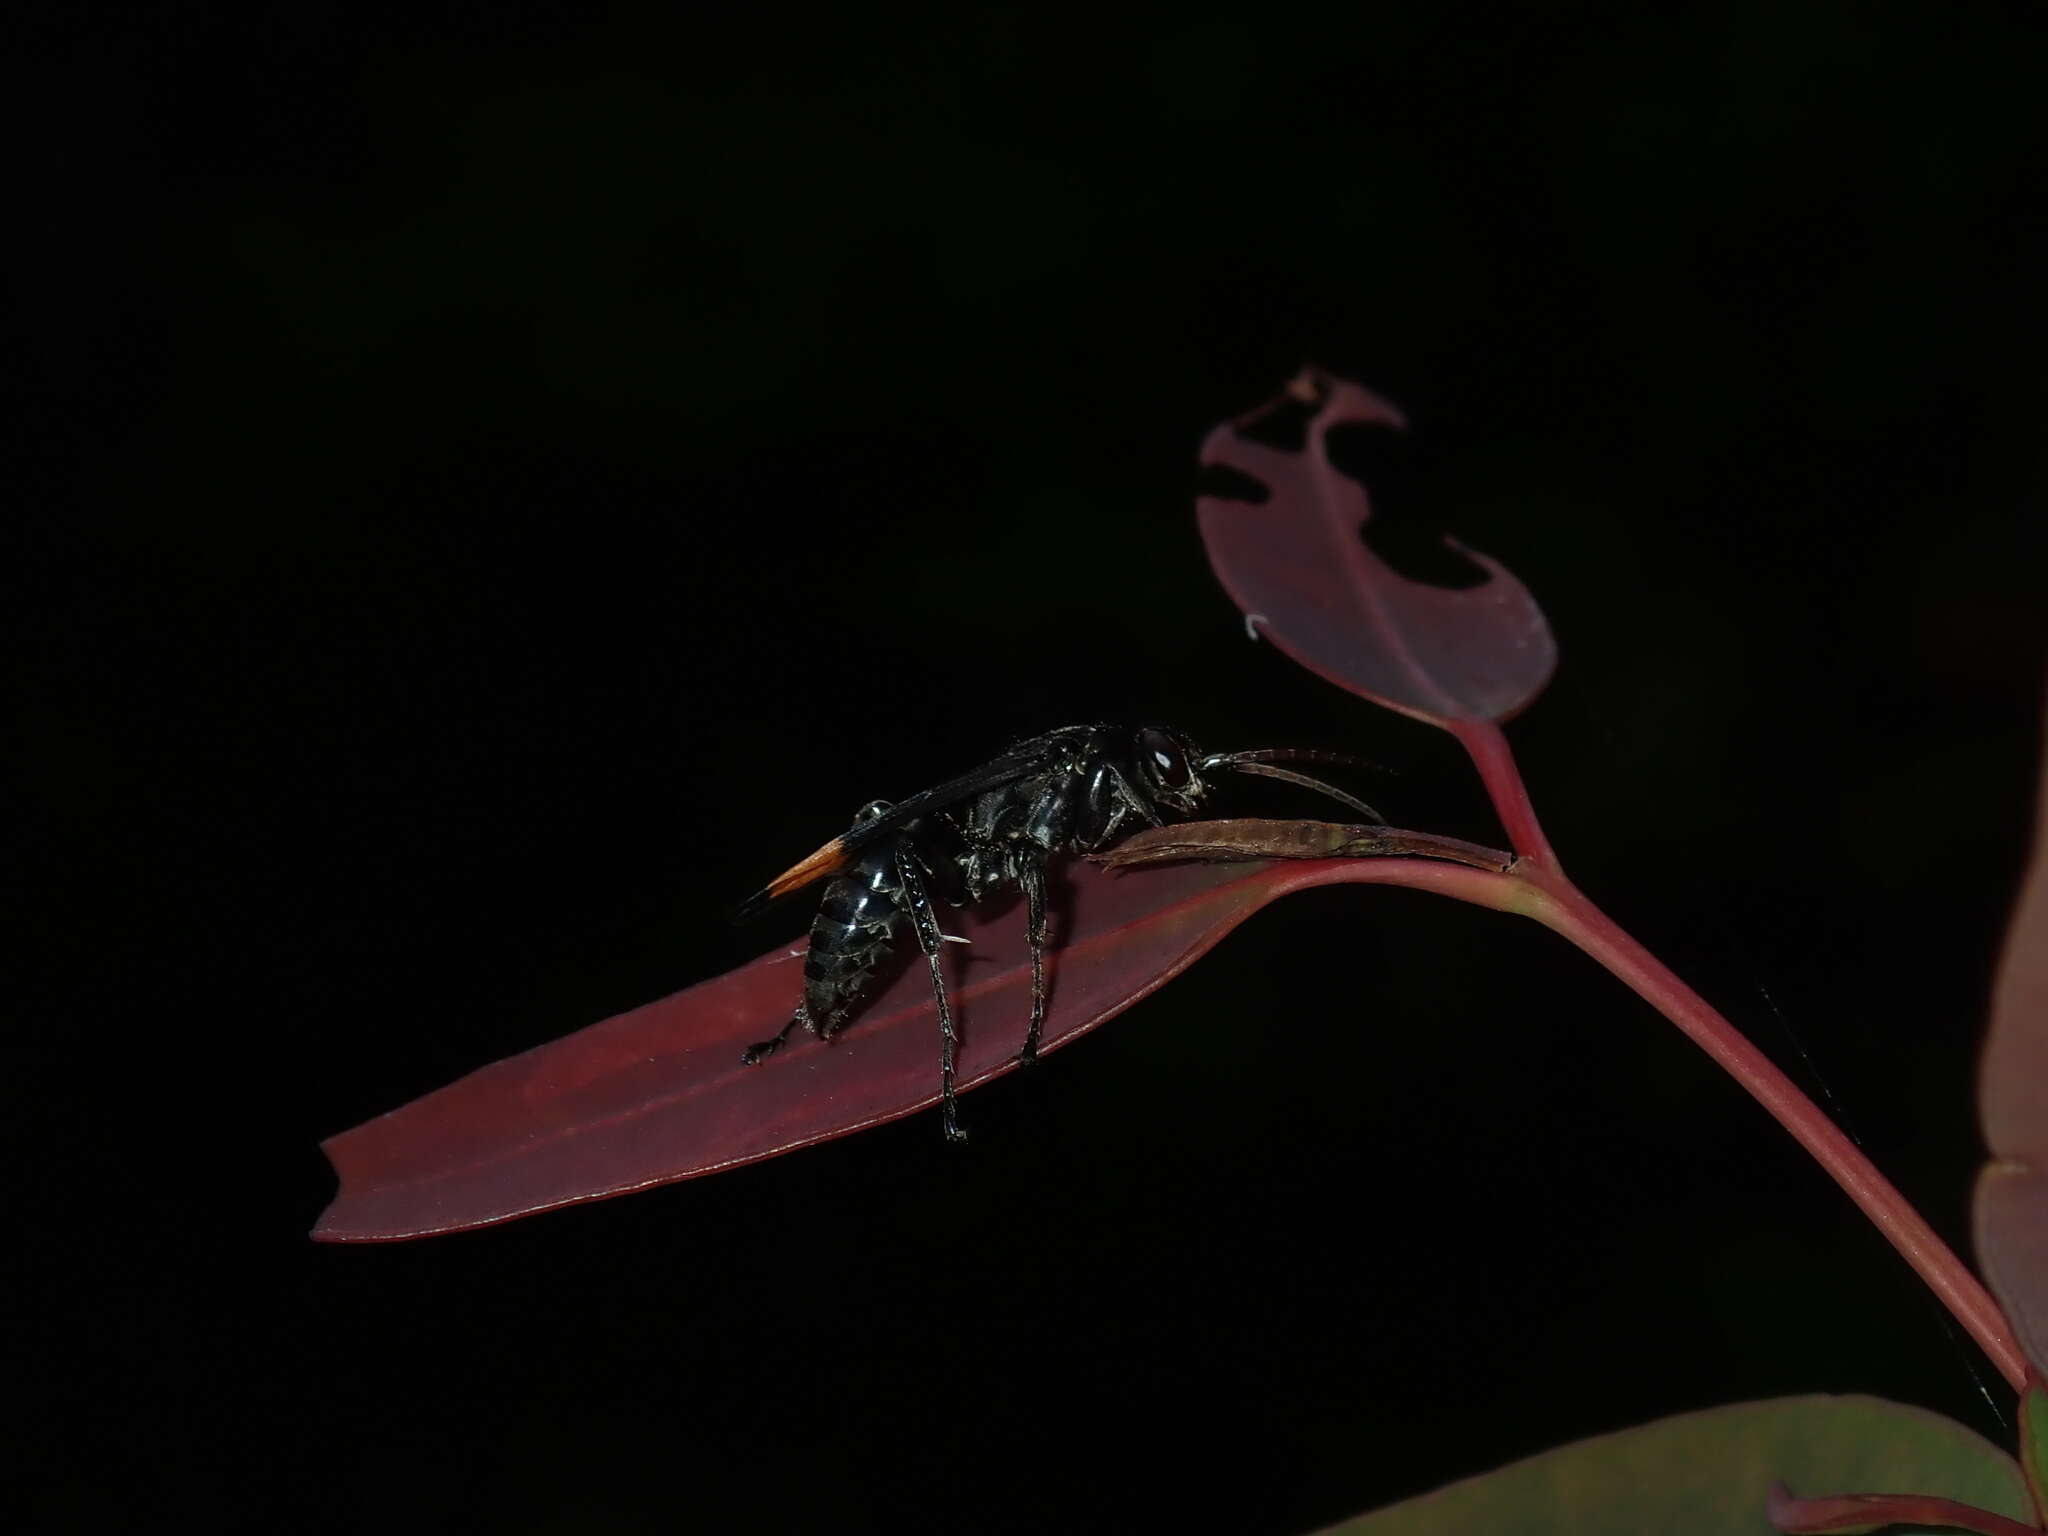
column 1165, row 759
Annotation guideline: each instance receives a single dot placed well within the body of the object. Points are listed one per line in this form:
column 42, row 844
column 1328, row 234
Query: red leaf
column 659, row 1094
column 1298, row 564
column 2012, row 1192
column 1851, row 1513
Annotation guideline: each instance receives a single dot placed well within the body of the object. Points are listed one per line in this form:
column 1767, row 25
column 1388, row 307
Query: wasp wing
column 1019, row 762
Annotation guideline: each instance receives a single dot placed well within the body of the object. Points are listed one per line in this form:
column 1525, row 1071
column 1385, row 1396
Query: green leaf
column 2034, row 1443
column 1710, row 1473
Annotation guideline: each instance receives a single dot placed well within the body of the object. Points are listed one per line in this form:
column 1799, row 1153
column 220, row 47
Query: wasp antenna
column 1291, row 755
column 1249, row 764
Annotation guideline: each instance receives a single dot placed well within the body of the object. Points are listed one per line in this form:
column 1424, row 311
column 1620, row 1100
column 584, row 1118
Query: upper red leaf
column 1297, row 563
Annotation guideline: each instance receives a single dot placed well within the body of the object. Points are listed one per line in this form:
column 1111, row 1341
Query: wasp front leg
column 917, row 901
column 1110, row 801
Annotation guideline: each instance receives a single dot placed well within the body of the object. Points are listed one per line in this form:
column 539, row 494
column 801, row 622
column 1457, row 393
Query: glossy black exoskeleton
column 1073, row 790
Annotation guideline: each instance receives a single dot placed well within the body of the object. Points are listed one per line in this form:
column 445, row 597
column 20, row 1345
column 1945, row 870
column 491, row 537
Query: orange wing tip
column 828, row 860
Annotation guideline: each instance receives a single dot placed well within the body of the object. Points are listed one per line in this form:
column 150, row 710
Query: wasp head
column 1166, row 767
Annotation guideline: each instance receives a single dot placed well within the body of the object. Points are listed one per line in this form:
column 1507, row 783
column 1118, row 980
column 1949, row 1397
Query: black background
column 494, row 489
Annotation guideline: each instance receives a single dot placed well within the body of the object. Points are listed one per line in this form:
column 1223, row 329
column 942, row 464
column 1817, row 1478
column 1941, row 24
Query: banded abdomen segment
column 854, row 935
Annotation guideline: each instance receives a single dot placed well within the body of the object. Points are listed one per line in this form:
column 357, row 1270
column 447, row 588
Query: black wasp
column 1073, row 790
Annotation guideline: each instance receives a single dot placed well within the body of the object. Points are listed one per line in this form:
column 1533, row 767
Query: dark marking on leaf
column 1282, row 423
column 1402, row 479
column 1227, row 483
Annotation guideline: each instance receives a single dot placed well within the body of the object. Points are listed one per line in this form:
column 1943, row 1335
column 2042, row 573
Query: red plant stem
column 1869, row 1511
column 1555, row 902
column 1559, row 905
column 1487, row 746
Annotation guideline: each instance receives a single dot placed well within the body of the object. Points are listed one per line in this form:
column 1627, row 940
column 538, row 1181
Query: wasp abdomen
column 853, row 935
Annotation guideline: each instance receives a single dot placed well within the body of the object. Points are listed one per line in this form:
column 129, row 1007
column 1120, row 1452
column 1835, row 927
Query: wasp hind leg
column 1031, row 875
column 761, row 1050
column 929, row 939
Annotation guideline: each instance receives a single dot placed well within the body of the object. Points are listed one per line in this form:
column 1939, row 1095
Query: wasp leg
column 1110, row 801
column 930, row 939
column 761, row 1050
column 1133, row 799
column 1031, row 875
